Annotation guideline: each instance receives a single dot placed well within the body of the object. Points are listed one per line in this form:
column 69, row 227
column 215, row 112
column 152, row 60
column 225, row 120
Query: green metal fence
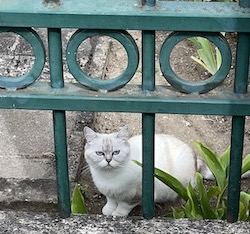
column 112, row 18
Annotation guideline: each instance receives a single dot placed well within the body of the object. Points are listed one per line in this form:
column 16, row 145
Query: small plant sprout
column 209, row 57
column 78, row 205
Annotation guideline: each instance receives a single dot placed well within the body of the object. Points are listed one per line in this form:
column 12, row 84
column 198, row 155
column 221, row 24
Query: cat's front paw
column 108, row 209
column 119, row 213
column 123, row 209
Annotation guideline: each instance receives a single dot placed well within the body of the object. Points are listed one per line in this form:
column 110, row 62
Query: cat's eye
column 116, row 152
column 99, row 153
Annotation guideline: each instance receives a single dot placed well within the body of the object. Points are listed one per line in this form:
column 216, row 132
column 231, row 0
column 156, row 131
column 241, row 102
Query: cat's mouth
column 109, row 167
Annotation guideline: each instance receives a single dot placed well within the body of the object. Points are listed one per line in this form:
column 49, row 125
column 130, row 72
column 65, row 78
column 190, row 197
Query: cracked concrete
column 23, row 222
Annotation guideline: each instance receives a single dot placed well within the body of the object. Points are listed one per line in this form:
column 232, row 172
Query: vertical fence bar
column 148, row 130
column 149, row 2
column 244, row 3
column 148, row 125
column 238, row 126
column 237, row 138
column 148, row 61
column 59, row 120
column 55, row 58
column 60, row 141
column 242, row 63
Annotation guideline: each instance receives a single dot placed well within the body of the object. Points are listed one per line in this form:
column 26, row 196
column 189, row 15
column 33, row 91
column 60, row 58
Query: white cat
column 116, row 176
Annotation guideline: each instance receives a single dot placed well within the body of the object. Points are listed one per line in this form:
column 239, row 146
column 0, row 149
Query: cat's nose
column 108, row 160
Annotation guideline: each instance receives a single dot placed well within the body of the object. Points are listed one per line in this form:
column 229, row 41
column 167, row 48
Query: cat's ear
column 89, row 134
column 123, row 133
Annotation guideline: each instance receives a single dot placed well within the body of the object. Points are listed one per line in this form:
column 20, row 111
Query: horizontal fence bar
column 40, row 96
column 129, row 14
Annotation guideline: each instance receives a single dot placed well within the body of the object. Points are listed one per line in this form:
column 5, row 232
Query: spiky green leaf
column 213, row 191
column 205, row 205
column 218, row 58
column 246, row 164
column 225, row 158
column 194, row 203
column 221, row 213
column 206, row 54
column 213, row 162
column 244, row 206
column 78, row 205
column 170, row 181
column 178, row 214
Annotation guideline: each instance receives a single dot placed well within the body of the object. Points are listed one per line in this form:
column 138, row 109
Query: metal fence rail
column 112, row 18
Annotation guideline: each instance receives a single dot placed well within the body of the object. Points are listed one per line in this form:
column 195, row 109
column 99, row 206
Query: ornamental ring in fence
column 39, row 53
column 198, row 86
column 126, row 41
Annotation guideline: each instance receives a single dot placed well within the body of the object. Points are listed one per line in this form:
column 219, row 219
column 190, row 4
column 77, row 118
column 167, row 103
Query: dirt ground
column 214, row 131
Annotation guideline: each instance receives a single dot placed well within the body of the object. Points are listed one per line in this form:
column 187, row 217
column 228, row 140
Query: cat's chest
column 118, row 182
column 115, row 179
column 124, row 190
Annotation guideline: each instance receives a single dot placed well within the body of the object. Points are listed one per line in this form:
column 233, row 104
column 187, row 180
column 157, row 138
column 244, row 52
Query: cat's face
column 106, row 151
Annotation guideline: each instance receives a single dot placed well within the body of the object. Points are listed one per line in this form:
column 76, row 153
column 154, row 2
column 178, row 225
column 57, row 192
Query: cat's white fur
column 116, row 176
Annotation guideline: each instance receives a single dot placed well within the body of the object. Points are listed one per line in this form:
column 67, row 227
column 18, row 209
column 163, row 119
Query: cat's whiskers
column 95, row 166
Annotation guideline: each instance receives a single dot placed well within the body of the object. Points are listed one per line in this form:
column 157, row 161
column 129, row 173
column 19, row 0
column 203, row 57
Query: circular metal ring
column 117, row 82
column 201, row 86
column 39, row 53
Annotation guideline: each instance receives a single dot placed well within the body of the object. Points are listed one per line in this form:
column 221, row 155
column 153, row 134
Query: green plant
column 208, row 59
column 219, row 167
column 207, row 202
column 78, row 205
